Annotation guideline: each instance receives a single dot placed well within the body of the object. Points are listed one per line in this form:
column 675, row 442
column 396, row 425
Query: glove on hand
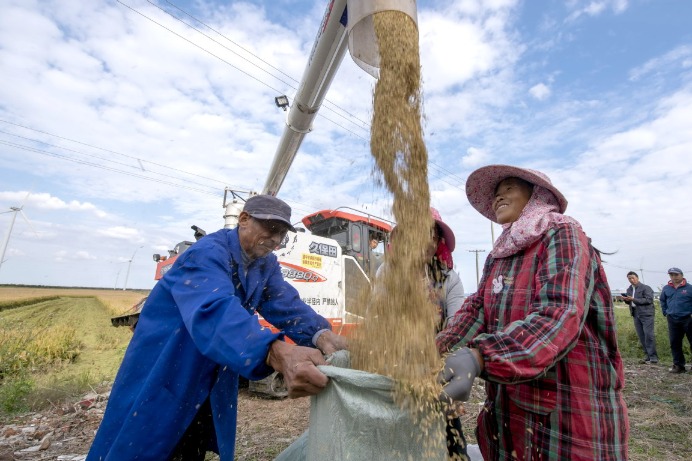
column 460, row 369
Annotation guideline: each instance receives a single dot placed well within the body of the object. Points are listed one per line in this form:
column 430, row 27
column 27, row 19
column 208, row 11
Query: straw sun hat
column 481, row 185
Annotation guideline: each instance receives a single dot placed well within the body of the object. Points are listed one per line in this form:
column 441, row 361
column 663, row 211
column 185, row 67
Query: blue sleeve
column 664, row 304
column 283, row 308
column 214, row 316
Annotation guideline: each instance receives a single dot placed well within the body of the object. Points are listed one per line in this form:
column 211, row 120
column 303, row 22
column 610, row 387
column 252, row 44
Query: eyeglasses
column 272, row 226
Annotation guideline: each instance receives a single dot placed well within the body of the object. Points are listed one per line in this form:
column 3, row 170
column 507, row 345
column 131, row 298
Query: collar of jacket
column 682, row 284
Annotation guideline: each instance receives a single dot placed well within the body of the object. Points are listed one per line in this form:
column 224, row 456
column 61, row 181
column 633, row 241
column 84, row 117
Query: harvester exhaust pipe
column 233, row 205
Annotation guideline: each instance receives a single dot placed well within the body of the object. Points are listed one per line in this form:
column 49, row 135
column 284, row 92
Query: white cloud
column 48, row 202
column 12, row 252
column 84, row 255
column 540, row 91
column 595, row 7
column 63, row 256
column 120, row 232
column 467, row 40
column 680, row 56
column 474, row 157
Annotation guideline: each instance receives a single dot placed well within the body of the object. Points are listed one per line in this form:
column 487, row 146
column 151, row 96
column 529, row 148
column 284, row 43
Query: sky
column 123, row 121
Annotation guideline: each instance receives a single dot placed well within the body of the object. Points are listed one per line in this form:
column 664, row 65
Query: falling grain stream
column 397, row 337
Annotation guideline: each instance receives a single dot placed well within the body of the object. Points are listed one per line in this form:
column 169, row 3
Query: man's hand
column 460, row 370
column 329, row 342
column 627, row 299
column 298, row 365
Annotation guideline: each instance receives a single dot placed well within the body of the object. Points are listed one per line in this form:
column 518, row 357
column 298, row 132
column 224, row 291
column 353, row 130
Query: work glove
column 460, row 369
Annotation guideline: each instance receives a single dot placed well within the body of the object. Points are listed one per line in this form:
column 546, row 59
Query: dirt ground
column 65, row 432
column 659, row 406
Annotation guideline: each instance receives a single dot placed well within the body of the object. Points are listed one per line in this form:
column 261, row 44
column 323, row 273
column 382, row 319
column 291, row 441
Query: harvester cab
column 353, row 231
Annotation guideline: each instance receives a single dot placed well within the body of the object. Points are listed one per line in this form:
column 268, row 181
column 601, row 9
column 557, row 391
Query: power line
column 140, row 160
column 651, row 271
column 104, row 167
column 100, row 158
column 277, row 91
column 306, row 208
column 364, row 125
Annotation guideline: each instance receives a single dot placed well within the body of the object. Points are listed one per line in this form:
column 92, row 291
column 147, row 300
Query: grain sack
column 356, row 418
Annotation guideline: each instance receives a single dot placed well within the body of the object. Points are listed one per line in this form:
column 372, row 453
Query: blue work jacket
column 197, row 332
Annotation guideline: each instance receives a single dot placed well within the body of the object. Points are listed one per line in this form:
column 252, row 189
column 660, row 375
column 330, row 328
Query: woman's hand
column 460, row 370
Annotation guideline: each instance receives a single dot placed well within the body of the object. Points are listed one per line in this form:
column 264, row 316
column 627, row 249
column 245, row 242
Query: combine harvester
column 332, row 263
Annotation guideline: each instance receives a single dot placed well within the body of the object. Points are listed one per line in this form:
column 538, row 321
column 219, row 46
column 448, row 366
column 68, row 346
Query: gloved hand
column 460, row 369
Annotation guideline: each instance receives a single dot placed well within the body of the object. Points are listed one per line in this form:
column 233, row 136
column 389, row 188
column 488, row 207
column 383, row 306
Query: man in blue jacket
column 676, row 303
column 175, row 395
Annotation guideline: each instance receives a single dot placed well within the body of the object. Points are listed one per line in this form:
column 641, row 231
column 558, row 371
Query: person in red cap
column 540, row 331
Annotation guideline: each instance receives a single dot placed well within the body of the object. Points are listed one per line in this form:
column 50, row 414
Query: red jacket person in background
column 676, row 304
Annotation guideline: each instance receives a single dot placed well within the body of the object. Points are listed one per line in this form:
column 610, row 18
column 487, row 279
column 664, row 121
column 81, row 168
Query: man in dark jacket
column 676, row 304
column 640, row 298
column 175, row 395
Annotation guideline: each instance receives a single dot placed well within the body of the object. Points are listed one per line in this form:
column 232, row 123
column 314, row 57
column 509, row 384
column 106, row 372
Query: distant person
column 373, row 243
column 640, row 299
column 676, row 304
column 175, row 395
column 540, row 330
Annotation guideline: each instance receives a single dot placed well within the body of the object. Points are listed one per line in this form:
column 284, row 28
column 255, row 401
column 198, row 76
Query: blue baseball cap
column 674, row 270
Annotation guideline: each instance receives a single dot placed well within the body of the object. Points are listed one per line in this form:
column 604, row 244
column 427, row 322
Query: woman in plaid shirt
column 540, row 331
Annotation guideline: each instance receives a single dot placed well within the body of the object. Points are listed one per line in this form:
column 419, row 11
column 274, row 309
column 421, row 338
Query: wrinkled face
column 511, row 196
column 676, row 278
column 259, row 237
column 633, row 279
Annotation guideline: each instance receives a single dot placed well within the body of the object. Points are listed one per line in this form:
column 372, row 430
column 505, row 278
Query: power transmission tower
column 478, row 279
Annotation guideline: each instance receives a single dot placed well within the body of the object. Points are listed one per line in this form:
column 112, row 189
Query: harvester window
column 341, row 238
column 356, row 240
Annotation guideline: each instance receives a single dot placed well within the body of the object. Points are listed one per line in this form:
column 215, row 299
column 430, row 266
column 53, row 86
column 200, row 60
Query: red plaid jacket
column 543, row 321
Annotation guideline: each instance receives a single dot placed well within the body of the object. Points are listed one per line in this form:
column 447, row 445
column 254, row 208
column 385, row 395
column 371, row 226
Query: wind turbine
column 129, row 263
column 14, row 210
column 115, row 287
